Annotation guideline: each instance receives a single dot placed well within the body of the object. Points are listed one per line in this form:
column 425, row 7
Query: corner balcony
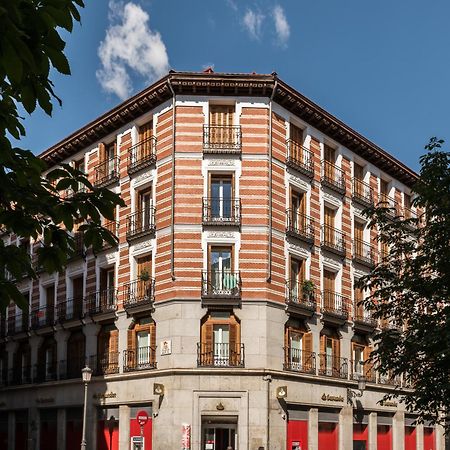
column 299, row 158
column 220, row 355
column 143, row 358
column 333, row 366
column 71, row 309
column 102, row 303
column 300, row 226
column 333, row 240
column 107, row 172
column 333, row 177
column 139, row 295
column 141, row 223
column 142, row 155
column 334, row 307
column 222, row 288
column 221, row 211
column 362, row 193
column 222, row 139
column 298, row 302
column 298, row 360
column 42, row 317
column 363, row 253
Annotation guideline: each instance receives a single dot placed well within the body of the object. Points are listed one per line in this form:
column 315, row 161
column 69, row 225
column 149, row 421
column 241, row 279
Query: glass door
column 143, row 348
column 221, row 198
column 219, row 437
column 221, row 342
column 220, row 266
column 145, row 209
column 295, row 343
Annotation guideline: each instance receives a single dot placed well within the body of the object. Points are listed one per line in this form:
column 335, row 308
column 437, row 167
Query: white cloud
column 129, row 46
column 253, row 23
column 232, row 4
column 281, row 25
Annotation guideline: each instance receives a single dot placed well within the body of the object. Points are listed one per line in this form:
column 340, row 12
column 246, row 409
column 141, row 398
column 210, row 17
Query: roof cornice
column 229, row 84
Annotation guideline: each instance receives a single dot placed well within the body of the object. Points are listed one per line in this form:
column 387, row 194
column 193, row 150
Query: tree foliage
column 33, row 204
column 411, row 289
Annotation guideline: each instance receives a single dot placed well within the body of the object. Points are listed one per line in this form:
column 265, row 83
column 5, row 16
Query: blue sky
column 382, row 67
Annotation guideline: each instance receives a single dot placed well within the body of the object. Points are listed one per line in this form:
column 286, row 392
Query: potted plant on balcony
column 308, row 288
column 144, row 275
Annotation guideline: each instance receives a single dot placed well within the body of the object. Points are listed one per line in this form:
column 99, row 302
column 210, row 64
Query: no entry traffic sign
column 142, row 418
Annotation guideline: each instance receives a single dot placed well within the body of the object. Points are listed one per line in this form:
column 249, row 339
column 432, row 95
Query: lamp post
column 86, row 375
column 361, row 387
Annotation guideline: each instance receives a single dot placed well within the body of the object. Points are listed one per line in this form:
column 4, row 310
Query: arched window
column 220, row 340
column 76, row 356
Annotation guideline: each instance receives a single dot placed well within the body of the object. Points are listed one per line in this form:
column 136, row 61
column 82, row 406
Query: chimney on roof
column 208, row 70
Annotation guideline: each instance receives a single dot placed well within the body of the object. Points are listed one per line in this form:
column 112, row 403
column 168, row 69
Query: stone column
column 122, row 323
column 33, row 428
column 372, row 431
column 11, row 428
column 313, row 429
column 346, row 428
column 61, row 424
column 398, row 431
column 440, row 438
column 419, row 436
column 124, row 427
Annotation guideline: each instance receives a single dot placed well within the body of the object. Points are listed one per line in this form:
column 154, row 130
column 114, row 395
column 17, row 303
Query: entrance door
column 219, row 436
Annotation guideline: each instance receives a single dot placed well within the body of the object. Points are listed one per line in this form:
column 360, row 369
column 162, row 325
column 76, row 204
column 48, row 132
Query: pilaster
column 313, row 429
column 346, row 428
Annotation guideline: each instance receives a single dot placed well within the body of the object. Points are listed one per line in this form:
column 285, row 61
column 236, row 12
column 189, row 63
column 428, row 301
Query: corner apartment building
column 228, row 310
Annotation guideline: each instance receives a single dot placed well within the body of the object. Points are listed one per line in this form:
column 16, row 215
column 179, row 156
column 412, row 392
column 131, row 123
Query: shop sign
column 102, row 396
column 186, row 437
column 166, row 347
column 45, row 400
column 142, row 418
column 389, row 403
column 332, row 398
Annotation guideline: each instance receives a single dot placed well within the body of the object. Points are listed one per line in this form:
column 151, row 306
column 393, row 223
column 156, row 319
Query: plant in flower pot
column 144, row 275
column 308, row 288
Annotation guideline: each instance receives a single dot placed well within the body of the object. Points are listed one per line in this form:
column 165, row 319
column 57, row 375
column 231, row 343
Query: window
column 221, row 131
column 296, row 143
column 358, row 233
column 75, row 303
column 221, row 195
column 107, row 295
column 76, row 345
column 361, row 366
column 141, row 345
column 144, row 210
column 222, row 277
column 358, row 172
column 108, row 346
column 145, row 148
column 384, row 190
column 329, row 154
column 296, row 277
column 298, row 347
column 298, row 208
column 330, row 361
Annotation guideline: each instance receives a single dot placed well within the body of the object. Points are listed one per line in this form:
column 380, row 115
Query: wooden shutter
column 221, row 115
column 131, row 349
column 101, row 153
column 144, row 264
column 368, row 365
column 146, row 131
column 50, row 295
column 307, row 346
column 329, row 154
column 336, row 348
column 358, row 231
column 328, row 216
column 358, row 171
column 114, row 347
column 328, row 280
column 206, row 346
column 234, row 345
column 296, row 135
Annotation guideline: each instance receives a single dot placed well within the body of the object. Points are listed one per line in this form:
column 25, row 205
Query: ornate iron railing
column 392, row 206
column 295, row 294
column 334, row 303
column 299, row 158
column 107, row 172
column 222, row 139
column 221, row 211
column 220, row 355
column 221, row 284
column 333, row 239
column 105, row 364
column 333, row 366
column 363, row 369
column 102, row 301
column 362, row 192
column 299, row 360
column 363, row 252
column 300, row 225
column 139, row 292
column 361, row 315
column 333, row 176
column 45, row 372
column 141, row 223
column 71, row 309
column 71, row 368
column 44, row 316
column 143, row 154
column 141, row 358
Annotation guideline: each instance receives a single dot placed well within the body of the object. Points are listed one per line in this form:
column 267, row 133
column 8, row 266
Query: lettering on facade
column 221, row 162
column 389, row 403
column 332, row 398
column 221, row 235
column 45, row 400
column 101, row 396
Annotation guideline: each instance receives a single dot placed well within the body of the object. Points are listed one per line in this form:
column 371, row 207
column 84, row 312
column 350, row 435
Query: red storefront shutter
column 328, row 436
column 135, row 430
column 429, row 439
column 410, row 438
column 384, row 437
column 297, row 435
column 360, row 436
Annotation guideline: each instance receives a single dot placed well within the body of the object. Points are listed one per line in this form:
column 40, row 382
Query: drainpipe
column 268, row 379
column 269, row 267
column 172, row 250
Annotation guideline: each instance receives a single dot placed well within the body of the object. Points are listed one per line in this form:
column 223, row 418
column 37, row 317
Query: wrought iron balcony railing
column 221, row 211
column 107, row 172
column 299, row 360
column 363, row 253
column 71, row 368
column 105, row 364
column 41, row 317
column 44, row 372
column 220, row 355
column 392, row 206
column 139, row 292
column 300, row 225
column 141, row 223
column 334, row 303
column 20, row 375
column 363, row 316
column 333, row 240
column 222, row 139
column 140, row 359
column 363, row 369
column 295, row 294
column 333, row 177
column 333, row 366
column 102, row 301
column 142, row 155
column 221, row 284
column 299, row 158
column 362, row 192
column 71, row 309
column 19, row 323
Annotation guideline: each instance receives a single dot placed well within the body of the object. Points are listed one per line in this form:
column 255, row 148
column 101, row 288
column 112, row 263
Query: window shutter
column 206, row 346
column 101, row 153
column 368, row 365
column 336, row 348
column 307, row 352
column 131, row 349
column 234, row 345
column 307, row 342
column 153, row 335
column 114, row 347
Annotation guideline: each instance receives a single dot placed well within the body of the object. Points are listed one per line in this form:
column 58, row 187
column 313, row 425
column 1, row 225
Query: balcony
column 363, row 253
column 333, row 177
column 222, row 139
column 78, row 250
column 299, row 158
column 20, row 375
column 333, row 366
column 363, row 320
column 42, row 317
column 143, row 358
column 221, row 288
column 334, row 307
column 220, row 355
column 363, row 369
column 393, row 209
column 333, row 240
column 141, row 223
column 221, row 211
column 139, row 295
column 362, row 193
column 107, row 172
column 389, row 379
column 44, row 372
column 71, row 309
column 142, row 155
column 410, row 217
column 102, row 302
column 300, row 226
column 298, row 302
column 105, row 364
column 72, row 367
column 18, row 323
column 113, row 227
column 299, row 361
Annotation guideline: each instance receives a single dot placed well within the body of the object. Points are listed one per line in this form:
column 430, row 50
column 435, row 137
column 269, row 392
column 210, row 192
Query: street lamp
column 86, row 375
column 361, row 387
